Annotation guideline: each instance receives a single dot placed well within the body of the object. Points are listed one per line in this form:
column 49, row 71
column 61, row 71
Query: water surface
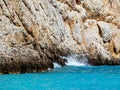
column 66, row 78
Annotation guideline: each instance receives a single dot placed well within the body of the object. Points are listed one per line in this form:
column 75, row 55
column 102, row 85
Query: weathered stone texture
column 35, row 33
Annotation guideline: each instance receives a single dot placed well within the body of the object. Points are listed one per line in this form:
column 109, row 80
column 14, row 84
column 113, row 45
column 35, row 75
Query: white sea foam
column 49, row 69
column 56, row 65
column 76, row 60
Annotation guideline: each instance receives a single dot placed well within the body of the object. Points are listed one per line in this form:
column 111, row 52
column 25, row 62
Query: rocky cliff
column 35, row 33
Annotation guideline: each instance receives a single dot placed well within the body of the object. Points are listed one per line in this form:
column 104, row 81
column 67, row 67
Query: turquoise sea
column 66, row 78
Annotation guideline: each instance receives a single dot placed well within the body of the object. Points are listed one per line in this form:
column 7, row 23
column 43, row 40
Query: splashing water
column 76, row 60
column 56, row 65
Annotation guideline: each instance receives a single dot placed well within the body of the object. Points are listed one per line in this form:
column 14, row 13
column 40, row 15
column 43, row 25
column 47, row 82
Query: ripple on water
column 66, row 78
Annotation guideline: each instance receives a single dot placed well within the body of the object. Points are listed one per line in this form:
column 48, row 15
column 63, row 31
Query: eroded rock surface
column 35, row 33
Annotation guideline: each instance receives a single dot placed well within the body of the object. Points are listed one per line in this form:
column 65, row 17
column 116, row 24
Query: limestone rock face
column 36, row 33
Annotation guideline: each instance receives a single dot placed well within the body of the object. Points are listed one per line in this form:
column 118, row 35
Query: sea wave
column 56, row 65
column 76, row 60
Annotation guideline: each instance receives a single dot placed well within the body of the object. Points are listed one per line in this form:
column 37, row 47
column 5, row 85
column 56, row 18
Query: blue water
column 66, row 78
